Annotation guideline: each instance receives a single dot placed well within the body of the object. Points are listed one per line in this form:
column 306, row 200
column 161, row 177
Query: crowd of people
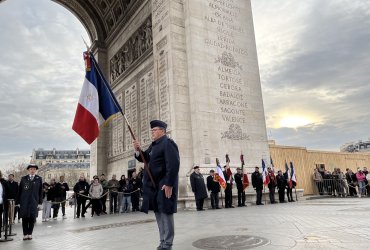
column 282, row 182
column 340, row 184
column 124, row 194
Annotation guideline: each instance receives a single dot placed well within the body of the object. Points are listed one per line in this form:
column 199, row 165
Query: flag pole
column 105, row 82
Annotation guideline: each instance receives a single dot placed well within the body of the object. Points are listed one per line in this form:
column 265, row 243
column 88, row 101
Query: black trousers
column 228, row 196
column 289, row 193
column 96, row 206
column 81, row 202
column 113, row 202
column 214, row 200
column 103, row 201
column 199, row 203
column 281, row 194
column 135, row 198
column 241, row 197
column 272, row 195
column 259, row 196
column 63, row 206
column 27, row 225
column 1, row 215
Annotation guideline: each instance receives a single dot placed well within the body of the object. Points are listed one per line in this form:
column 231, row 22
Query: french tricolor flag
column 97, row 102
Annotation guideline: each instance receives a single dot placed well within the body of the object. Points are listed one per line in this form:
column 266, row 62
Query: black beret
column 158, row 123
column 32, row 166
column 196, row 167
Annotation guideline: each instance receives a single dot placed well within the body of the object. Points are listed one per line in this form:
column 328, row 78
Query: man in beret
column 29, row 200
column 198, row 187
column 163, row 161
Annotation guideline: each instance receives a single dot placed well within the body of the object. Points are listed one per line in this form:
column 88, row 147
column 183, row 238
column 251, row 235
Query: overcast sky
column 313, row 56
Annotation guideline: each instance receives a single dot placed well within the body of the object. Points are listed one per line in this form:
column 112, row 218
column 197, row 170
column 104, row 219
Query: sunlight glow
column 295, row 121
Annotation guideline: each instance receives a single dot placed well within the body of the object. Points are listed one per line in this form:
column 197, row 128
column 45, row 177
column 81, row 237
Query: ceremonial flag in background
column 289, row 175
column 97, row 103
column 221, row 177
column 293, row 177
column 265, row 175
column 245, row 176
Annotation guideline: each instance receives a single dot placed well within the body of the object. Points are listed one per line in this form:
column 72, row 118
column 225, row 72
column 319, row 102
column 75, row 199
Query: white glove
column 39, row 207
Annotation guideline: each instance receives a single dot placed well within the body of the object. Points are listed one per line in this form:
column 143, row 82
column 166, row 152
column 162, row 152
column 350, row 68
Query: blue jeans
column 126, row 204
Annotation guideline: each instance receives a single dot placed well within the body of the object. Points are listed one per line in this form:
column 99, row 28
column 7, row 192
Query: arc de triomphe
column 191, row 63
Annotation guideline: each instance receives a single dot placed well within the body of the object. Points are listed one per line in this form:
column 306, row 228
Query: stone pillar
column 98, row 161
column 170, row 70
column 227, row 114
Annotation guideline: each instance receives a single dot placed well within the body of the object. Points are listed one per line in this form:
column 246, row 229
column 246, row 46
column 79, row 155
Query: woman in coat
column 96, row 190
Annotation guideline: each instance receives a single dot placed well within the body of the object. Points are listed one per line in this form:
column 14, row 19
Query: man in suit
column 214, row 187
column 163, row 161
column 29, row 200
column 257, row 183
column 239, row 185
column 229, row 187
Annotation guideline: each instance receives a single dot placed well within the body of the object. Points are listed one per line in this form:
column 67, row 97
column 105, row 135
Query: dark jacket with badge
column 213, row 186
column 198, row 186
column 164, row 163
column 239, row 181
column 29, row 196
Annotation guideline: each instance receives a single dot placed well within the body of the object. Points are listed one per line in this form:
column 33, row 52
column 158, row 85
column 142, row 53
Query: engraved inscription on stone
column 226, row 38
column 148, row 105
column 131, row 111
column 164, row 97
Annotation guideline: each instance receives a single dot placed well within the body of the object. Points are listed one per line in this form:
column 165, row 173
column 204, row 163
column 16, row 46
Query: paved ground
column 333, row 223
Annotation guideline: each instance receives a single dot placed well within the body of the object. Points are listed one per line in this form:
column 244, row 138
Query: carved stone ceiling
column 102, row 18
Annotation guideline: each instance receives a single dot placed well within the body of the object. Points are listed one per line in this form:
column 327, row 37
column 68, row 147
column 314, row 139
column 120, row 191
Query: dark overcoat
column 239, row 181
column 164, row 163
column 29, row 196
column 198, row 186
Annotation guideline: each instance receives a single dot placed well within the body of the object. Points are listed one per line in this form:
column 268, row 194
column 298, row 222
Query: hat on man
column 196, row 167
column 32, row 166
column 158, row 123
column 238, row 168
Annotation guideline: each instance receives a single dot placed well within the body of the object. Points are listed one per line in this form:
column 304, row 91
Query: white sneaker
column 54, row 218
column 64, row 217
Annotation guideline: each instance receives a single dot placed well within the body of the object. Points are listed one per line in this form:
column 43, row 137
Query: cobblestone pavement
column 332, row 223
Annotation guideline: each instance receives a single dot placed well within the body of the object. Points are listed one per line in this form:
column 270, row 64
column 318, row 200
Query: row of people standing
column 54, row 196
column 122, row 194
column 280, row 182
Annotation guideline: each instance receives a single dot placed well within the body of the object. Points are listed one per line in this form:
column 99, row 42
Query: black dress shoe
column 232, row 207
column 218, row 208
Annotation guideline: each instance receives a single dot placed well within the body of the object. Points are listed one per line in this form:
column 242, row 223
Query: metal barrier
column 8, row 219
column 335, row 187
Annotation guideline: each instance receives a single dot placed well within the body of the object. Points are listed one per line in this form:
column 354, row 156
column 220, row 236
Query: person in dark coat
column 239, row 185
column 3, row 200
column 12, row 188
column 352, row 182
column 29, row 199
column 55, row 195
column 198, row 187
column 281, row 185
column 271, row 185
column 214, row 187
column 64, row 188
column 257, row 183
column 229, row 187
column 81, row 188
column 163, row 162
column 136, row 187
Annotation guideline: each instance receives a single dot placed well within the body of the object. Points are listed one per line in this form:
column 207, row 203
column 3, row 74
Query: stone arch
column 88, row 16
